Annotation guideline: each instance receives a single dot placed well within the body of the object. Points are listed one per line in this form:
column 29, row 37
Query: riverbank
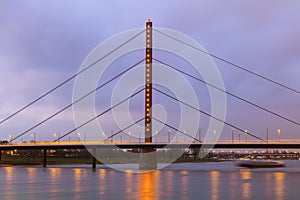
column 17, row 160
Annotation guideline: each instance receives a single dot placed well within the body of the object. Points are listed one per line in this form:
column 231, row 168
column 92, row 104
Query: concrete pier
column 94, row 160
column 44, row 157
column 148, row 159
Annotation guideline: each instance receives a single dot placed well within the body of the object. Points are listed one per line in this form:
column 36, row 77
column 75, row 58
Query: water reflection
column 233, row 185
column 81, row 183
column 31, row 172
column 55, row 174
column 9, row 189
column 55, row 179
column 77, row 176
column 245, row 175
column 9, row 173
column 279, row 185
column 168, row 185
column 184, row 184
column 246, row 186
column 269, row 185
column 102, row 176
column 148, row 185
column 31, row 177
column 214, row 179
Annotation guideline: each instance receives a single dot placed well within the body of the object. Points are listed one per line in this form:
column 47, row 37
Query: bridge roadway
column 100, row 145
column 44, row 146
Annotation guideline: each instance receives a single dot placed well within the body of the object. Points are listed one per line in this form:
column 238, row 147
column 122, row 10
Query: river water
column 219, row 180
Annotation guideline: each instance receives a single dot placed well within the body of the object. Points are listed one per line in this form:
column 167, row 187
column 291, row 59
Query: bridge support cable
column 78, row 100
column 229, row 93
column 231, row 63
column 69, row 79
column 209, row 115
column 99, row 115
column 172, row 127
column 120, row 131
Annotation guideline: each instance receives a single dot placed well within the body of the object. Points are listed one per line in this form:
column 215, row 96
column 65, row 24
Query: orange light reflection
column 246, row 187
column 149, row 184
column 214, row 177
column 279, row 185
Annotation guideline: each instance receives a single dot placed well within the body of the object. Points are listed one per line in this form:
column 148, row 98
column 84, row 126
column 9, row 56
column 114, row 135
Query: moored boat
column 261, row 164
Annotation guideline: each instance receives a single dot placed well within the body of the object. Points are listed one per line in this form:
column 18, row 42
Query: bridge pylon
column 148, row 159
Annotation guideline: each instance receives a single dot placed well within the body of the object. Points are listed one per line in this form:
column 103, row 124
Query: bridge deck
column 219, row 145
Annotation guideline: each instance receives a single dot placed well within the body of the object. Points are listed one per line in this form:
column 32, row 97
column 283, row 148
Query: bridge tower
column 148, row 83
column 148, row 159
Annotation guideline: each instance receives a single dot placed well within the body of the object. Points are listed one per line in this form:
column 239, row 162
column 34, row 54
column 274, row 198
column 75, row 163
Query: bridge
column 148, row 145
column 93, row 146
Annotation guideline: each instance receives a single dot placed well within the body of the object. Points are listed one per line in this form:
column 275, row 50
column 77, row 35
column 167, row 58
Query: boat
column 261, row 164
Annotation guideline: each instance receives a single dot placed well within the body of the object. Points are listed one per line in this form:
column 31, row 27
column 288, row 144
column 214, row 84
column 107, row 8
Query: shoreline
column 17, row 161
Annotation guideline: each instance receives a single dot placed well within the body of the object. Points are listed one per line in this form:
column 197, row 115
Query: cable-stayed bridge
column 149, row 141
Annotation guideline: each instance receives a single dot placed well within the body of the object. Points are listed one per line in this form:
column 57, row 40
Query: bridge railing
column 297, row 141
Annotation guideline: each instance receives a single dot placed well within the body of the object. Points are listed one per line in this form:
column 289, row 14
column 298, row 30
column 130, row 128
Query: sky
column 44, row 43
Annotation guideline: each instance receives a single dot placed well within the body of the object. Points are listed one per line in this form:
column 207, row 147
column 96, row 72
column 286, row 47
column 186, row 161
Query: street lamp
column 54, row 135
column 246, row 134
column 103, row 136
column 199, row 131
column 214, row 132
column 278, row 131
column 111, row 136
column 78, row 134
column 156, row 132
column 169, row 135
column 139, row 137
column 129, row 133
column 10, row 137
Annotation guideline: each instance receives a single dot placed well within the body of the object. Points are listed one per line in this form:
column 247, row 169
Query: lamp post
column 54, row 136
column 232, row 136
column 199, row 134
column 278, row 131
column 10, row 137
column 111, row 136
column 267, row 135
column 103, row 136
column 214, row 132
column 156, row 132
column 129, row 134
column 169, row 135
column 246, row 134
column 78, row 134
column 139, row 137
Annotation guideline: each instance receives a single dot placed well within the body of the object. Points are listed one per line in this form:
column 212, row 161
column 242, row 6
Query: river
column 212, row 180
